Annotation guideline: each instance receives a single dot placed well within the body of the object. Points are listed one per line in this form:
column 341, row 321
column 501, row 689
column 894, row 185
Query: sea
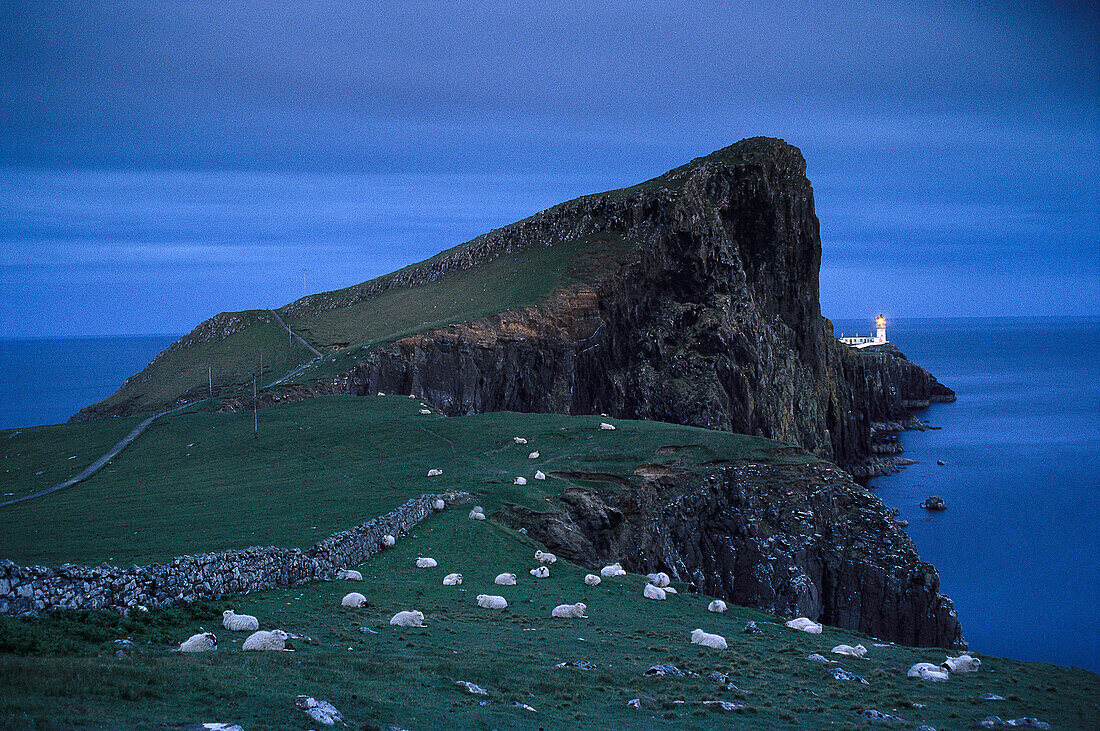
column 1018, row 547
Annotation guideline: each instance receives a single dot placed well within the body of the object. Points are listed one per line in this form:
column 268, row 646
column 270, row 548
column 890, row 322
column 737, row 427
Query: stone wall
column 34, row 589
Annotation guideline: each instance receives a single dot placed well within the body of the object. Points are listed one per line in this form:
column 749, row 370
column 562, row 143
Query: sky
column 162, row 162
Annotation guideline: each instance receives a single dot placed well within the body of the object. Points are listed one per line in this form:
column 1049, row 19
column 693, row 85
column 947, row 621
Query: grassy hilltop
column 199, row 481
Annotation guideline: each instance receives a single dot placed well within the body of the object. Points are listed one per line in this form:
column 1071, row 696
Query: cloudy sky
column 161, row 162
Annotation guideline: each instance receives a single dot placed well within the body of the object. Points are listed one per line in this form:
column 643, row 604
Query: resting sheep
column 541, row 572
column 962, row 664
column 505, row 579
column 669, row 590
column 607, row 427
column 592, row 580
column 439, row 504
column 857, row 651
column 425, row 412
column 488, row 601
column 354, row 599
column 570, row 611
column 699, row 637
column 199, row 643
column 519, row 481
column 540, row 475
column 545, row 558
column 349, row 574
column 533, row 455
column 660, row 579
column 653, row 592
column 519, row 440
column 425, row 563
column 716, row 606
column 434, row 472
column 263, row 640
column 476, row 514
column 388, row 541
column 408, row 619
column 805, row 624
column 928, row 671
column 613, row 570
column 452, row 580
column 239, row 622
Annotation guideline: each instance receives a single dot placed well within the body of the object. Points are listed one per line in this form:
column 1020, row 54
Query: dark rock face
column 792, row 539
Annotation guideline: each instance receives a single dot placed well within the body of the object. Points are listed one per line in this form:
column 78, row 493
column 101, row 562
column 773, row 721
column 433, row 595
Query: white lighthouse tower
column 880, row 329
column 864, row 341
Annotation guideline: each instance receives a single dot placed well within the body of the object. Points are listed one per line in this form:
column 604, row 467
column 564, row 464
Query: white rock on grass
column 805, row 624
column 716, row 606
column 699, row 637
column 423, row 562
column 322, row 712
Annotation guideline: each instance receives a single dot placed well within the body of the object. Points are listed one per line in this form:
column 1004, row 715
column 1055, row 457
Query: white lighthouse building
column 863, row 341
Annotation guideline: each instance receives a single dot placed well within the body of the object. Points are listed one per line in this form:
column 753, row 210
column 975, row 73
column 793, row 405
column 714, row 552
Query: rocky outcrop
column 793, row 539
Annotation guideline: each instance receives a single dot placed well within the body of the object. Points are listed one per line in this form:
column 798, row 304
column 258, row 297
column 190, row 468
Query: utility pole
column 305, row 292
column 261, row 364
column 210, row 375
column 255, row 412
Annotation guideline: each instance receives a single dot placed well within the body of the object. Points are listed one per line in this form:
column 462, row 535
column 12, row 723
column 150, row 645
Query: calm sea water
column 1018, row 547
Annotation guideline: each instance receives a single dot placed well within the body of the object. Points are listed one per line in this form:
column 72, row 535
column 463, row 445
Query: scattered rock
column 878, row 715
column 934, row 502
column 213, row 726
column 752, row 629
column 996, row 722
column 524, row 706
column 727, row 705
column 925, row 728
column 322, row 712
column 471, row 688
column 634, row 703
column 579, row 664
column 990, row 697
column 670, row 670
column 368, row 631
column 821, row 659
column 842, row 674
column 902, row 523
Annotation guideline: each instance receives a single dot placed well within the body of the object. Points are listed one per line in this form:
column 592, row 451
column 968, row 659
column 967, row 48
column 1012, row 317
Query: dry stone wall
column 35, row 589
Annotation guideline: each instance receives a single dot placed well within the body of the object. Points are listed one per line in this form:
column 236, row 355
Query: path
column 99, row 463
column 300, row 338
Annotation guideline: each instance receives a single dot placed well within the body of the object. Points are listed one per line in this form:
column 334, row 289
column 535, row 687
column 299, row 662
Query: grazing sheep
column 349, row 574
column 488, row 601
column 354, row 599
column 805, row 624
column 928, row 671
column 592, row 580
column 699, row 637
column 613, row 570
column 388, row 541
column 607, row 427
column 476, row 514
column 505, row 579
column 540, row 475
column 653, row 592
column 962, row 664
column 239, row 622
column 439, row 504
column 660, row 579
column 570, row 611
column 425, row 563
column 545, row 558
column 533, row 455
column 199, row 643
column 520, row 481
column 425, row 412
column 263, row 640
column 857, row 651
column 434, row 472
column 716, row 606
column 408, row 619
column 519, row 440
column 541, row 572
column 452, row 580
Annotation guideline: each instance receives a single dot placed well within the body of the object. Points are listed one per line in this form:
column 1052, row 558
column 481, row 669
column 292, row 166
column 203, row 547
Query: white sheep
column 412, row 395
column 592, row 580
column 388, row 541
column 452, row 580
column 434, row 472
column 199, row 643
column 408, row 619
column 611, row 571
column 476, row 514
column 533, row 455
column 717, row 606
column 928, row 671
column 541, row 572
column 546, row 558
column 505, row 579
column 425, row 563
column 519, row 481
column 857, row 651
column 962, row 664
column 425, row 412
column 660, row 579
column 570, row 611
column 349, row 574
column 699, row 637
column 607, row 427
column 439, row 504
column 239, row 622
column 519, row 440
column 540, row 475
column 381, row 394
column 653, row 592
column 669, row 590
column 805, row 624
column 274, row 640
column 488, row 601
column 354, row 599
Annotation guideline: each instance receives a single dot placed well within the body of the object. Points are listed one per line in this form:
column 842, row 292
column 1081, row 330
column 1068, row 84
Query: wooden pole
column 255, row 412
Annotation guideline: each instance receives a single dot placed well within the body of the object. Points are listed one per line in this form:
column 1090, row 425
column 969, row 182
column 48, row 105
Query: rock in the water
column 842, row 674
column 752, row 629
column 322, row 712
column 471, row 688
column 940, row 462
column 934, row 502
column 996, row 722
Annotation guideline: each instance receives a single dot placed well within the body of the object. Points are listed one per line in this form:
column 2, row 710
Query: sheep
column 962, row 664
column 381, row 394
column 699, row 637
column 411, row 395
column 452, row 580
column 857, row 651
column 653, row 592
column 669, row 590
column 540, row 475
column 434, row 472
column 439, row 504
column 425, row 563
column 541, row 572
column 607, row 427
column 239, row 622
column 592, row 580
column 505, row 579
column 274, row 640
column 199, row 643
column 533, row 455
column 408, row 619
column 488, row 601
column 476, row 514
column 388, row 541
column 613, row 570
column 425, row 412
column 520, row 481
column 354, row 599
column 545, row 558
column 519, row 440
column 349, row 574
column 660, row 579
column 805, row 624
column 928, row 671
column 717, row 606
column 570, row 611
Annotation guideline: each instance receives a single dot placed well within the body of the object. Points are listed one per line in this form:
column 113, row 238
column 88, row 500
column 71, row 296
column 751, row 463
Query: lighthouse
column 863, row 341
column 880, row 329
